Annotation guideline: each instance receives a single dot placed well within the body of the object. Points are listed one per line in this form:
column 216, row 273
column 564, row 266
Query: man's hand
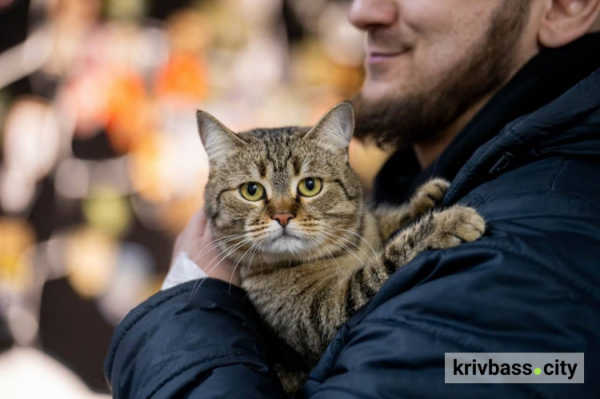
column 197, row 242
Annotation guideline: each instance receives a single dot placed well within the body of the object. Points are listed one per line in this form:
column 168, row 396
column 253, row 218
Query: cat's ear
column 218, row 140
column 334, row 131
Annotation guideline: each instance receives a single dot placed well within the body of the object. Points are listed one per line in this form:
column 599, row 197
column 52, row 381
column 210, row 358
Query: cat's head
column 284, row 194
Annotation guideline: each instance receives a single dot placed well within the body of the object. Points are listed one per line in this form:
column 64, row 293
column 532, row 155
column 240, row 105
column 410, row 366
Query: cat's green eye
column 252, row 191
column 310, row 186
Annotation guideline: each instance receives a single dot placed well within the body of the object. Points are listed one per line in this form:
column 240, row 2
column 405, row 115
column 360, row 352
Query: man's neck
column 428, row 151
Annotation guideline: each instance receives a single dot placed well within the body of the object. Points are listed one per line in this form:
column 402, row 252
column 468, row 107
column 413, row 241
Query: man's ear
column 567, row 20
column 334, row 131
column 218, row 141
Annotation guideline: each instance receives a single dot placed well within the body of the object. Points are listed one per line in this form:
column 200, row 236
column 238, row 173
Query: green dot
column 537, row 371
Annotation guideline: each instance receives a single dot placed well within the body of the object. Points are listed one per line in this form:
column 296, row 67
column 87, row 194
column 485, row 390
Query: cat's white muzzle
column 287, row 240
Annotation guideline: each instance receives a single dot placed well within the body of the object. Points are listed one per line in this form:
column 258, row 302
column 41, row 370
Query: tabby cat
column 286, row 207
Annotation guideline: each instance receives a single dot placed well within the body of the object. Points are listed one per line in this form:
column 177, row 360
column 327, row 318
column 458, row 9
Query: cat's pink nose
column 283, row 218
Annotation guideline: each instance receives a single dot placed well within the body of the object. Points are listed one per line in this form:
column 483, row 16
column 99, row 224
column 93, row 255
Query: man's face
column 430, row 60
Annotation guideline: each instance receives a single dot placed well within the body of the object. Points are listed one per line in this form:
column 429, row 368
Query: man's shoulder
column 502, row 293
column 550, row 181
column 543, row 231
column 546, row 212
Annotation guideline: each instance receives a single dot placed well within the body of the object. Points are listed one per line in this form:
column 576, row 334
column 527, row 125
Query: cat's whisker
column 238, row 263
column 213, row 244
column 260, row 243
column 210, row 247
column 216, row 243
column 340, row 243
column 375, row 254
column 313, row 244
column 224, row 240
column 353, row 243
column 321, row 250
column 223, row 256
column 330, row 254
column 228, row 253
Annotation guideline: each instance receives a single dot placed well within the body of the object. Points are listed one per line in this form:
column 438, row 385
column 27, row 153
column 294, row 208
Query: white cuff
column 182, row 270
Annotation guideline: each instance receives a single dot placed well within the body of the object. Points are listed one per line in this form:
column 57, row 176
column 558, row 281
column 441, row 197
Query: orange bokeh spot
column 184, row 75
column 129, row 113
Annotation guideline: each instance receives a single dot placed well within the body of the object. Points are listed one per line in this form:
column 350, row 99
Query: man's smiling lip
column 379, row 56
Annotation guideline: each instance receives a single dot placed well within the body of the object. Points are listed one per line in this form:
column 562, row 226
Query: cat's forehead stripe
column 297, row 163
column 262, row 168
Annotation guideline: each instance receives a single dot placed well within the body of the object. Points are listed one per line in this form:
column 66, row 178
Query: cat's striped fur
column 307, row 278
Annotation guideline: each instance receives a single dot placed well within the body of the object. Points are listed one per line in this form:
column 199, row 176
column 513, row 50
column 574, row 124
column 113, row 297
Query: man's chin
column 377, row 117
column 378, row 91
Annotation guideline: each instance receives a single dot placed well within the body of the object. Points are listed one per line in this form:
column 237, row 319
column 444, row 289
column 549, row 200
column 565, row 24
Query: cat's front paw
column 456, row 225
column 429, row 195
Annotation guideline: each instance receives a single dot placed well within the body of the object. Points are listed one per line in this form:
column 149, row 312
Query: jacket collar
column 568, row 126
column 544, row 81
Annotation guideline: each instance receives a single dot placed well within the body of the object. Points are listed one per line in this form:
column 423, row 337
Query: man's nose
column 283, row 218
column 369, row 14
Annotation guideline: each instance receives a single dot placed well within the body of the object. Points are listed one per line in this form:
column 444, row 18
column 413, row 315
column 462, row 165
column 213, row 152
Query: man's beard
column 406, row 120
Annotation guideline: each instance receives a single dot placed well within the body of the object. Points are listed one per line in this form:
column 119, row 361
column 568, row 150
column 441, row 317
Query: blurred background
column 101, row 165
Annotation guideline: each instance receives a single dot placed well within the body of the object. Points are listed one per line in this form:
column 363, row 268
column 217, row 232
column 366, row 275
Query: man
column 503, row 98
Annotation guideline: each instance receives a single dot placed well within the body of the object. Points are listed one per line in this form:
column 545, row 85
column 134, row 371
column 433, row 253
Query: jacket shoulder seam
column 539, row 192
column 560, row 169
column 574, row 282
